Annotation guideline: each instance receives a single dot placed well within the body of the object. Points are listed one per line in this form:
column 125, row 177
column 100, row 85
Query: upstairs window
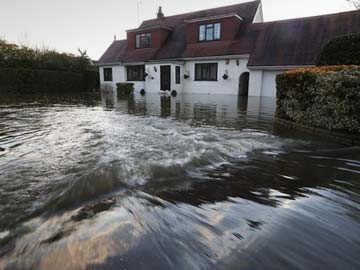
column 135, row 73
column 210, row 32
column 108, row 76
column 206, row 72
column 143, row 40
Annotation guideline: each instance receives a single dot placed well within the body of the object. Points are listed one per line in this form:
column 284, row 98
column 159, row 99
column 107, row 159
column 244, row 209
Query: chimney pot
column 160, row 14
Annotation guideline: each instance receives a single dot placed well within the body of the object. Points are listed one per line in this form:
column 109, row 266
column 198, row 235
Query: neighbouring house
column 226, row 50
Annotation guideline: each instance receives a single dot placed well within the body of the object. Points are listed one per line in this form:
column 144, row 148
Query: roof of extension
column 295, row 42
column 298, row 42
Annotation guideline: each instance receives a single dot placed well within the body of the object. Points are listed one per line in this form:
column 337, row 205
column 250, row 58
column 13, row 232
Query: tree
column 355, row 3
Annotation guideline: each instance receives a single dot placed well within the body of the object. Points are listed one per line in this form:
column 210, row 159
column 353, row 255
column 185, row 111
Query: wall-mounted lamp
column 187, row 74
column 226, row 76
column 227, row 61
column 155, row 68
column 237, row 62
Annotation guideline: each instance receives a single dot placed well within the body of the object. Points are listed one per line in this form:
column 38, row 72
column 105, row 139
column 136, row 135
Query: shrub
column 125, row 89
column 327, row 97
column 343, row 50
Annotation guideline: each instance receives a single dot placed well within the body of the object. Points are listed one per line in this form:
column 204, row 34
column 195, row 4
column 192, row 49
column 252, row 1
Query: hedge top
column 321, row 70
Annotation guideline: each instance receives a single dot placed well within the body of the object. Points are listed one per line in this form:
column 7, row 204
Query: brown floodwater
column 153, row 182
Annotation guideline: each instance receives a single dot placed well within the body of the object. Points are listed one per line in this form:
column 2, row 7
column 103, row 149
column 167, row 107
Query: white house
column 226, row 50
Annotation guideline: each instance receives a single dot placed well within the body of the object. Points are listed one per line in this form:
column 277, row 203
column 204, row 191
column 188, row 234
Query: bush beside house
column 326, row 97
column 125, row 89
column 343, row 50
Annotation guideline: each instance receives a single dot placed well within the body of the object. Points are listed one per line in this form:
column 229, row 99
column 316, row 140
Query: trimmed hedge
column 343, row 50
column 326, row 97
column 125, row 89
column 29, row 81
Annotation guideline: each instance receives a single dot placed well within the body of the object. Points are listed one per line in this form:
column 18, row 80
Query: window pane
column 143, row 40
column 206, row 72
column 137, row 41
column 217, row 31
column 108, row 74
column 197, row 72
column 177, row 75
column 202, row 32
column 135, row 73
column 209, row 33
column 213, row 72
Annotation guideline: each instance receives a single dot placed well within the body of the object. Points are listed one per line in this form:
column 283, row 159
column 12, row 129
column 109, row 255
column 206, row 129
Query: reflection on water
column 155, row 182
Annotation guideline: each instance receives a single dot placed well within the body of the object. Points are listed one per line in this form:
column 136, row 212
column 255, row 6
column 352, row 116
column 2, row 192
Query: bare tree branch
column 355, row 3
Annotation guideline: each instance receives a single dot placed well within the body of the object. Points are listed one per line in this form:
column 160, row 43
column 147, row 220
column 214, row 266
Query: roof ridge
column 310, row 17
column 203, row 10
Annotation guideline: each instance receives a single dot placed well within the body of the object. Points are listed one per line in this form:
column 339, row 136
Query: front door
column 165, row 78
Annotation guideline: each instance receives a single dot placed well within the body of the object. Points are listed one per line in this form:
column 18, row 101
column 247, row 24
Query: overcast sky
column 66, row 25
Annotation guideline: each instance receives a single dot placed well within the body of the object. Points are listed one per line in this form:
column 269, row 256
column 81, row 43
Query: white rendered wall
column 255, row 83
column 269, row 83
column 261, row 82
column 221, row 86
column 118, row 75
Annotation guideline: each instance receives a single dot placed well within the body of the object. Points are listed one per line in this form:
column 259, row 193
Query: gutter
column 278, row 67
column 214, row 18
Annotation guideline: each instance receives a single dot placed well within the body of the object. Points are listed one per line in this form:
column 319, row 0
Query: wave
column 151, row 151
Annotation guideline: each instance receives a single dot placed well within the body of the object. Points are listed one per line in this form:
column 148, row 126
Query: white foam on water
column 4, row 234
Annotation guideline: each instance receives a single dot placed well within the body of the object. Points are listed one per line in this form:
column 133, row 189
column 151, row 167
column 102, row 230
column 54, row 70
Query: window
column 206, row 72
column 135, row 73
column 177, row 75
column 108, row 76
column 143, row 40
column 209, row 32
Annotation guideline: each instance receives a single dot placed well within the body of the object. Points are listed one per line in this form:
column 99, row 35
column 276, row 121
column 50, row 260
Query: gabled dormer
column 213, row 28
column 152, row 37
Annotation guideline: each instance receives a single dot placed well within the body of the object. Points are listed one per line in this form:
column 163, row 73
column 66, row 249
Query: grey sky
column 67, row 25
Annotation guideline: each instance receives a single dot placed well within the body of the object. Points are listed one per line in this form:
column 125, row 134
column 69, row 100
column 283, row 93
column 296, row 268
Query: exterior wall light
column 187, row 75
column 155, row 68
column 226, row 76
column 237, row 62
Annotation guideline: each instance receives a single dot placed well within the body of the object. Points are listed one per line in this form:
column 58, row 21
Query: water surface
column 193, row 182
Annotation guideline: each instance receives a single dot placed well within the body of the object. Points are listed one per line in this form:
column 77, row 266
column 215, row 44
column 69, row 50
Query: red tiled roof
column 293, row 42
column 114, row 53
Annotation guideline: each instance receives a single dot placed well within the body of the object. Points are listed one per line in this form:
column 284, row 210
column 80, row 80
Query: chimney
column 160, row 14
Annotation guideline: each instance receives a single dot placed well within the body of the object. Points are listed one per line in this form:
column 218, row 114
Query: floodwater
column 192, row 182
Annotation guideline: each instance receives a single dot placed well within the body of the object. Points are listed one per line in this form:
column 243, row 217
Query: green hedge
column 125, row 89
column 326, row 97
column 343, row 50
column 20, row 81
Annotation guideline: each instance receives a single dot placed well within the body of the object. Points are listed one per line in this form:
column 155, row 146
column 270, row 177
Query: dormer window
column 143, row 40
column 209, row 32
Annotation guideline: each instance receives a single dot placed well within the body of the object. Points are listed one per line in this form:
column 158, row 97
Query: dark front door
column 165, row 78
